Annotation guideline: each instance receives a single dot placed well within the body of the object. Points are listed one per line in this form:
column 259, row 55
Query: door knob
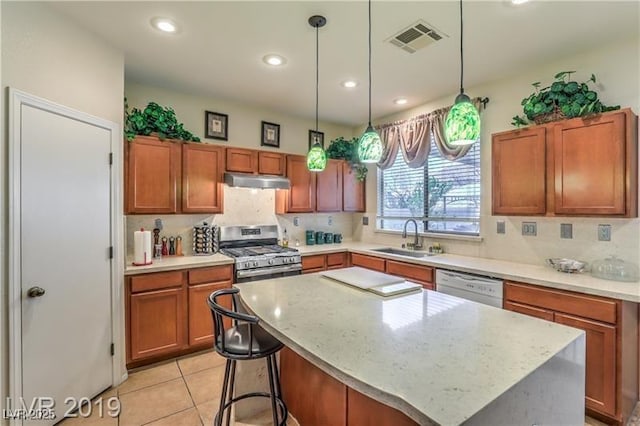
column 35, row 292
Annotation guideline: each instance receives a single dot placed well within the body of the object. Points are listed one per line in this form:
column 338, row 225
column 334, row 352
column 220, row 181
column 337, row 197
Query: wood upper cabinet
column 271, row 163
column 329, row 187
column 202, row 170
column 579, row 167
column 152, row 175
column 301, row 197
column 593, row 167
column 519, row 166
column 241, row 160
column 600, row 392
column 353, row 190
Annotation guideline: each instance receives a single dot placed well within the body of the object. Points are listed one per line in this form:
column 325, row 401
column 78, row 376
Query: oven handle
column 268, row 271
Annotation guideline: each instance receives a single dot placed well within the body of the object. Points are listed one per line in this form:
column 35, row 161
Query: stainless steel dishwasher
column 476, row 288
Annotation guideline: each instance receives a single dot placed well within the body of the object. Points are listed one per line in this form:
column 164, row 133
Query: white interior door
column 64, row 244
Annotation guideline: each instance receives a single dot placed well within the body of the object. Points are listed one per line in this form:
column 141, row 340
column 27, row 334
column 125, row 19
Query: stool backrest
column 219, row 312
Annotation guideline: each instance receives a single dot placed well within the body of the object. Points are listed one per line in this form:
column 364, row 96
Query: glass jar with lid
column 615, row 269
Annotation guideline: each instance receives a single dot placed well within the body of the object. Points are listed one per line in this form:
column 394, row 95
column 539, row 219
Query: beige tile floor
column 185, row 392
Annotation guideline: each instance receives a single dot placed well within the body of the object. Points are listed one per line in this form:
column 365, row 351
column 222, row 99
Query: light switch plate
column 500, row 227
column 330, row 220
column 604, row 232
column 365, row 220
column 566, row 230
column 296, row 221
column 529, row 229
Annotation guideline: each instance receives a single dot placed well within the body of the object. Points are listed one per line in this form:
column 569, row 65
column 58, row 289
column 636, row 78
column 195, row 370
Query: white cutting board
column 361, row 277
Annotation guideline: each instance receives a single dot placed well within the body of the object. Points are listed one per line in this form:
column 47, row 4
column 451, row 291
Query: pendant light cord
column 317, row 74
column 369, row 63
column 461, row 55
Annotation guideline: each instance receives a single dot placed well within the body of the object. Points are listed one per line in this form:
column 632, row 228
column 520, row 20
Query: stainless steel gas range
column 257, row 254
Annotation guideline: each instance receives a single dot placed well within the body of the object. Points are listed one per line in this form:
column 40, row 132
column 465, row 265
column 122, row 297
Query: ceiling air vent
column 416, row 36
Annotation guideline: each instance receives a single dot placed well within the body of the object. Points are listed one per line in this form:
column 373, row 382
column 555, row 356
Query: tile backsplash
column 242, row 206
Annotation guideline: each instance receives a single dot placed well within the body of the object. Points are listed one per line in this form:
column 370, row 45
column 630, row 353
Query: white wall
column 47, row 55
column 617, row 70
column 244, row 120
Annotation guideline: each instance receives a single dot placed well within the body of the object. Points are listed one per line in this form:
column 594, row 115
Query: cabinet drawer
column 210, row 275
column 313, row 262
column 336, row 260
column 532, row 311
column 156, row 281
column 592, row 307
column 408, row 270
column 369, row 262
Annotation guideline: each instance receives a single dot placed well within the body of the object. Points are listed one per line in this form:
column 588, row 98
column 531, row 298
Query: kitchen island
column 435, row 358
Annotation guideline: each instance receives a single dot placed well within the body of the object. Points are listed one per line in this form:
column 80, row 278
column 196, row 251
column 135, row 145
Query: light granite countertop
column 422, row 353
column 531, row 274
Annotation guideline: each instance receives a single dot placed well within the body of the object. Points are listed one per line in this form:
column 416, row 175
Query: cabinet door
column 313, row 263
column 337, row 260
column 369, row 262
column 158, row 323
column 301, row 197
column 590, row 165
column 200, row 319
column 600, row 393
column 353, row 191
column 153, row 170
column 241, row 160
column 532, row 311
column 270, row 163
column 329, row 188
column 416, row 273
column 203, row 167
column 518, row 161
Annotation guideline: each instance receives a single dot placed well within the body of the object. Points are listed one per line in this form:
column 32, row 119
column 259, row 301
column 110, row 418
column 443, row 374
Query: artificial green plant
column 341, row 148
column 155, row 119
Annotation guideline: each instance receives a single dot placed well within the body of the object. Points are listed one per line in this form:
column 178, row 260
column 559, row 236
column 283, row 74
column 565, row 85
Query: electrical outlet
column 365, row 220
column 500, row 227
column 530, row 229
column 330, row 220
column 296, row 221
column 604, row 232
column 566, row 230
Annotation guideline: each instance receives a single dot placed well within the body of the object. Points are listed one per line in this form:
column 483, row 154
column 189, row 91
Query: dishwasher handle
column 470, row 278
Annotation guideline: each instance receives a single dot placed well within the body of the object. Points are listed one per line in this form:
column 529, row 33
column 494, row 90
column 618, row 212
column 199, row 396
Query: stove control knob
column 247, row 265
column 255, row 264
column 270, row 261
column 292, row 259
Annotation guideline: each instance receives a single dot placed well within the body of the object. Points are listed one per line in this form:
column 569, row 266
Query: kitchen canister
column 310, row 237
column 142, row 254
column 328, row 238
column 319, row 237
column 337, row 238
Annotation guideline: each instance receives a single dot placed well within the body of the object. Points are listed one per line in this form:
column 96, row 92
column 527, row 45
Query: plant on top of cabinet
column 155, row 119
column 340, row 148
column 562, row 99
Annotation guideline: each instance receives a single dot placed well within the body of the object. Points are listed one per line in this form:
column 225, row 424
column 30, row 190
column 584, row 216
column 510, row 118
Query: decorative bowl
column 569, row 266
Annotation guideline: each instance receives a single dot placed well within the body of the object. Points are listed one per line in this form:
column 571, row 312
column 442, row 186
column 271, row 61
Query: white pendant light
column 317, row 157
column 462, row 125
column 369, row 144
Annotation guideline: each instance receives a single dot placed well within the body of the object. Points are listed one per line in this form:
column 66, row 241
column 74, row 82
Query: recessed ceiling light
column 274, row 60
column 400, row 101
column 349, row 84
column 165, row 25
column 517, row 2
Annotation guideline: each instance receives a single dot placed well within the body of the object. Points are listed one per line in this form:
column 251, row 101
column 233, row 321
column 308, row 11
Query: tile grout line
column 189, row 392
column 169, row 415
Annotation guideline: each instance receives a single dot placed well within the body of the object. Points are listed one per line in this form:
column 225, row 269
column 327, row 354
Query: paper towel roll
column 142, row 254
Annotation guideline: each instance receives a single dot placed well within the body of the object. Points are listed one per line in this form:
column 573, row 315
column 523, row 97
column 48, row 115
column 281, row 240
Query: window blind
column 443, row 196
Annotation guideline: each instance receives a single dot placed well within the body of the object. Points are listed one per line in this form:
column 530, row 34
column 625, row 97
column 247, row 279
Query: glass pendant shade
column 462, row 125
column 316, row 158
column 369, row 146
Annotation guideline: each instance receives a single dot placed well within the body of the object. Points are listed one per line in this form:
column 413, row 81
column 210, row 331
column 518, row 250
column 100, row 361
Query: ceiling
column 218, row 51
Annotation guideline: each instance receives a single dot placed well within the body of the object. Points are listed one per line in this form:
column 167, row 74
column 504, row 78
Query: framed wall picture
column 216, row 125
column 270, row 134
column 316, row 137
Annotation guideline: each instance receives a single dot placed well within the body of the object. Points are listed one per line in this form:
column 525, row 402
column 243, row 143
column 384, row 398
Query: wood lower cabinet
column 419, row 274
column 167, row 313
column 329, row 187
column 584, row 166
column 322, row 262
column 353, row 191
column 337, row 260
column 202, row 178
column 365, row 411
column 152, row 173
column 301, row 197
column 369, row 262
column 611, row 328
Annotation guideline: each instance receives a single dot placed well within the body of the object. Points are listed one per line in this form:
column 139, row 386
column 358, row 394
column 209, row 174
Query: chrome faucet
column 416, row 245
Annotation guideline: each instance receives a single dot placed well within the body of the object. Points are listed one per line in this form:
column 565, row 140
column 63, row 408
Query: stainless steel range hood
column 246, row 180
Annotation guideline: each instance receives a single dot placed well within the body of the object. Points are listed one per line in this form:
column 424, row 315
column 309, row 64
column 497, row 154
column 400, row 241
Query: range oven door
column 247, row 275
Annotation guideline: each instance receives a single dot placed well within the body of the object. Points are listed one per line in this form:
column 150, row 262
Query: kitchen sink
column 400, row 252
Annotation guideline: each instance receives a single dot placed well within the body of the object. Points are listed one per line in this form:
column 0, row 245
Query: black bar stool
column 245, row 339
